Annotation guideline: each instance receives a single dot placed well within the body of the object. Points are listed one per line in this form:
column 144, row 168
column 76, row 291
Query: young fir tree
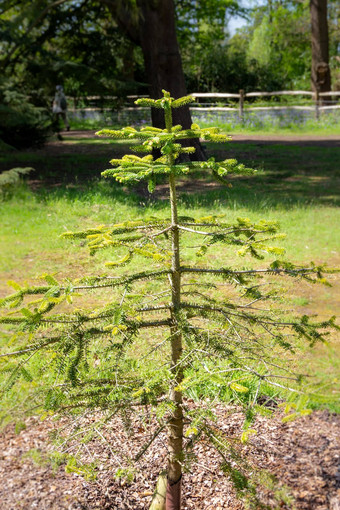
column 208, row 334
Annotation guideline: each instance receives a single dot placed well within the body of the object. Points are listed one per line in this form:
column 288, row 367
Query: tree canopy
column 96, row 46
column 70, row 42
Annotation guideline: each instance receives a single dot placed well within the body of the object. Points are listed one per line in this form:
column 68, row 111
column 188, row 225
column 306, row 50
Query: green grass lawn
column 296, row 185
column 328, row 124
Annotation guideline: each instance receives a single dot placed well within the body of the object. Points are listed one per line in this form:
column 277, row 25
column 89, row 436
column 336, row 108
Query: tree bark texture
column 152, row 26
column 321, row 77
column 163, row 63
column 175, row 427
column 175, row 423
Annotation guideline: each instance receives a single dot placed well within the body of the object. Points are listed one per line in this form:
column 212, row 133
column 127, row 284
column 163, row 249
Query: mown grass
column 328, row 123
column 296, row 185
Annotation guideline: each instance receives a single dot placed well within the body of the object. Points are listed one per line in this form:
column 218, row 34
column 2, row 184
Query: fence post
column 241, row 92
column 317, row 100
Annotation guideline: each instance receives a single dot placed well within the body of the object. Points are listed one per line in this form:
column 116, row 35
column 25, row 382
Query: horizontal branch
column 227, row 232
column 306, row 270
column 124, row 405
column 154, row 324
column 161, row 232
column 196, row 231
column 30, row 348
column 112, row 281
column 244, row 315
column 154, row 308
column 121, row 281
column 81, row 320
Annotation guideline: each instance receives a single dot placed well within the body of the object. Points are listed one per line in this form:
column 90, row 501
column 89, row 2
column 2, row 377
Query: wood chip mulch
column 304, row 456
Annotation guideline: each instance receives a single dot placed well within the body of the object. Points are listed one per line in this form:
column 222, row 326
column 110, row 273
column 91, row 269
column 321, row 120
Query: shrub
column 9, row 180
column 22, row 124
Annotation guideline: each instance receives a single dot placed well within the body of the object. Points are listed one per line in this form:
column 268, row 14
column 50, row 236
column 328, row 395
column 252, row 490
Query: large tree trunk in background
column 152, row 26
column 163, row 63
column 321, row 77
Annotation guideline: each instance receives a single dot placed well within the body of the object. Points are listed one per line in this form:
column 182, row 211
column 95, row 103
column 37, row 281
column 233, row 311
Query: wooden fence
column 318, row 99
column 242, row 96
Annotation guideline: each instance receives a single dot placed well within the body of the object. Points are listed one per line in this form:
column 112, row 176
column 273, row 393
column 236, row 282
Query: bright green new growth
column 132, row 168
column 201, row 331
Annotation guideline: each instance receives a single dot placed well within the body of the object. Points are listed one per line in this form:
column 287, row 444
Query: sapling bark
column 209, row 335
column 175, row 436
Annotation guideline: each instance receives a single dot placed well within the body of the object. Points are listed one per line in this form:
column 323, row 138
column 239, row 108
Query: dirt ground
column 67, row 145
column 304, row 456
column 63, row 161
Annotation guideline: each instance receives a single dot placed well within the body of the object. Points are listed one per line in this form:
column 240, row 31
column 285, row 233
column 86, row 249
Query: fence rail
column 243, row 95
column 318, row 103
column 266, row 94
column 235, row 95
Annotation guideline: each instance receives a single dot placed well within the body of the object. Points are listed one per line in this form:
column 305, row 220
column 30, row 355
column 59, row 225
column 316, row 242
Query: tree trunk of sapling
column 175, row 425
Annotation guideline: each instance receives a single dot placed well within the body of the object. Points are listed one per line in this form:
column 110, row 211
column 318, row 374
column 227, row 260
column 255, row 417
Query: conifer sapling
column 199, row 332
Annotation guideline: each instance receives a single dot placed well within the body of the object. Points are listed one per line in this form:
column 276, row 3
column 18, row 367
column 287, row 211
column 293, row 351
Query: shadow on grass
column 290, row 173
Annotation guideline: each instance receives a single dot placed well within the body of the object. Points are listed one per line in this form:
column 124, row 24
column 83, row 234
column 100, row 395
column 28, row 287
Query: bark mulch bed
column 304, row 456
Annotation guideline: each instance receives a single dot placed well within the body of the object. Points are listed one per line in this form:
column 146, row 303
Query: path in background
column 293, row 138
column 253, row 137
column 72, row 141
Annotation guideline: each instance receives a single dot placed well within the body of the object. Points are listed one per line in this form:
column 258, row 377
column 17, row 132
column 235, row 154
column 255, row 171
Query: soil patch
column 67, row 145
column 303, row 455
column 311, row 174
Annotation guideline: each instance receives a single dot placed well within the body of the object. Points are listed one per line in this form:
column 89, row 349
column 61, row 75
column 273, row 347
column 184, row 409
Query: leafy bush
column 10, row 179
column 22, row 124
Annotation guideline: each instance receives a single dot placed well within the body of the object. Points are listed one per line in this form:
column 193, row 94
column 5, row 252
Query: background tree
column 148, row 23
column 202, row 34
column 279, row 45
column 153, row 27
column 44, row 43
column 69, row 42
column 321, row 76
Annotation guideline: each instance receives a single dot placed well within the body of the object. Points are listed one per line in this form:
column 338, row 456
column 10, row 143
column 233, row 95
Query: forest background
column 84, row 46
